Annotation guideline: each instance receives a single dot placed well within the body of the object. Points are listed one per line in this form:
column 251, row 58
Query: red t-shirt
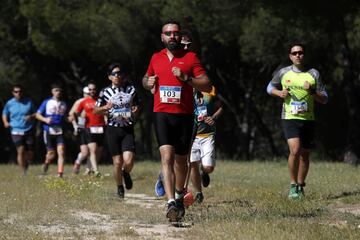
column 172, row 95
column 92, row 119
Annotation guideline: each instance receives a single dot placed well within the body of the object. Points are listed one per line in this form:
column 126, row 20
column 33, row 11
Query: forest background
column 240, row 43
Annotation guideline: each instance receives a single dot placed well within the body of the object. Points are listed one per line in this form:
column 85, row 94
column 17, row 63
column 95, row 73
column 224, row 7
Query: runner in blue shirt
column 52, row 112
column 18, row 116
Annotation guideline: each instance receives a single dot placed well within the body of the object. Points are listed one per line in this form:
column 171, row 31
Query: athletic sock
column 171, row 200
column 80, row 158
column 179, row 194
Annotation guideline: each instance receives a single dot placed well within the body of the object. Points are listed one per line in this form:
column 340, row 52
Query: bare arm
column 30, row 117
column 319, row 96
column 201, row 82
column 212, row 119
column 149, row 82
column 103, row 109
column 279, row 93
column 5, row 121
column 42, row 118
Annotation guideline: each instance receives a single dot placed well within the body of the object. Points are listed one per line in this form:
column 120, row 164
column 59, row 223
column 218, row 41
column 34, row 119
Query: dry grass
column 245, row 200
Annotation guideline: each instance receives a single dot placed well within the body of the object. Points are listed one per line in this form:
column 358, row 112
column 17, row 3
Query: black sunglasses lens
column 118, row 73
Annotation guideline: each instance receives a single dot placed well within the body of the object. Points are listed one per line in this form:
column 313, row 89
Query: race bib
column 170, row 94
column 202, row 113
column 55, row 130
column 17, row 133
column 81, row 122
column 120, row 114
column 96, row 130
column 298, row 107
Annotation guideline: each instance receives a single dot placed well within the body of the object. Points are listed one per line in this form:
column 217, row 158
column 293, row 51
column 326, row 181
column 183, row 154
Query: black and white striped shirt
column 123, row 98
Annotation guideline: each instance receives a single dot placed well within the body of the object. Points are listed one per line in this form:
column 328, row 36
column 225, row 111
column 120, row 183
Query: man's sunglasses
column 117, row 73
column 297, row 53
column 175, row 33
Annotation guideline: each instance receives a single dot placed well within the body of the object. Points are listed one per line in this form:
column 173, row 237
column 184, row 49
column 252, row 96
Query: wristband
column 188, row 80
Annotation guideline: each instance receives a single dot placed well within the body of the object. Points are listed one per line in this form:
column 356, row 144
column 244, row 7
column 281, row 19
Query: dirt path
column 86, row 222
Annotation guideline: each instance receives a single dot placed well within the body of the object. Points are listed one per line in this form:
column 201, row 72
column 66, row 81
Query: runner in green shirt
column 299, row 87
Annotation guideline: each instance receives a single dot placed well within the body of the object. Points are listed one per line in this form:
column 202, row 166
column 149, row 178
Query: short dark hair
column 114, row 65
column 187, row 33
column 172, row 21
column 17, row 86
column 91, row 82
column 55, row 85
column 296, row 44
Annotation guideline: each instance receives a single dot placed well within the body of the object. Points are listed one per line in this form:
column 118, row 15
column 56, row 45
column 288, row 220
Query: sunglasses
column 17, row 91
column 297, row 53
column 175, row 33
column 117, row 73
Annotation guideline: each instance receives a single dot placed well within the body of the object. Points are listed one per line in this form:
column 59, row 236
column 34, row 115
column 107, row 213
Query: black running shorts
column 93, row 138
column 120, row 139
column 175, row 130
column 303, row 129
column 52, row 141
column 26, row 139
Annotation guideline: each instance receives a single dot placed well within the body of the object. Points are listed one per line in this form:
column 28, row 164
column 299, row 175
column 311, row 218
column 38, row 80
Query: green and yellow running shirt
column 300, row 103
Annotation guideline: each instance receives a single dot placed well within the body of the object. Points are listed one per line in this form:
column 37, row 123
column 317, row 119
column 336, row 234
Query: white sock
column 171, row 200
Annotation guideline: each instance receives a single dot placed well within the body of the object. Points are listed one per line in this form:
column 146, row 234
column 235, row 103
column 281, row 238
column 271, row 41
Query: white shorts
column 203, row 149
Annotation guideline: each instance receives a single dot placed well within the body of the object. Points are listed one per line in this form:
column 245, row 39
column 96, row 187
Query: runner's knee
column 208, row 169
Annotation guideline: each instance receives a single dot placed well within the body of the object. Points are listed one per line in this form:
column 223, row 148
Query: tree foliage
column 241, row 44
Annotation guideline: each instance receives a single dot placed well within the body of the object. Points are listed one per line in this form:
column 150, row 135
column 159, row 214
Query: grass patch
column 245, row 200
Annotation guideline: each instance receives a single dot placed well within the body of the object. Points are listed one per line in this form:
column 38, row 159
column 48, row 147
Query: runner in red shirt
column 94, row 127
column 171, row 76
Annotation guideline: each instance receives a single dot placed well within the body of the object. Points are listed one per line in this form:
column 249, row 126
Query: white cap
column 86, row 90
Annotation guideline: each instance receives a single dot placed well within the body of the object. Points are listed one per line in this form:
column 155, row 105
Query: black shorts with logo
column 303, row 129
column 26, row 139
column 120, row 139
column 175, row 130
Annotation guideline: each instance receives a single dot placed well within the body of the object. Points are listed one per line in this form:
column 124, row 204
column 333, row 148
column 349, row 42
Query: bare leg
column 61, row 157
column 167, row 153
column 181, row 167
column 84, row 153
column 208, row 169
column 195, row 176
column 50, row 156
column 93, row 150
column 303, row 165
column 118, row 163
column 21, row 158
column 128, row 161
column 293, row 160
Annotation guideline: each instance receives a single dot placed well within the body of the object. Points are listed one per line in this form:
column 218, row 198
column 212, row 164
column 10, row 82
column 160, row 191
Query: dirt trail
column 86, row 222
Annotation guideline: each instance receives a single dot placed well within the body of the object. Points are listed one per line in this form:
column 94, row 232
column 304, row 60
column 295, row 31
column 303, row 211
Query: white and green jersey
column 300, row 103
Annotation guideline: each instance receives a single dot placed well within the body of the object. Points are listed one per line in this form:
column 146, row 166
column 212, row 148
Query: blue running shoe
column 159, row 187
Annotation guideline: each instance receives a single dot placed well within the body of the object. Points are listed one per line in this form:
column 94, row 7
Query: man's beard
column 173, row 45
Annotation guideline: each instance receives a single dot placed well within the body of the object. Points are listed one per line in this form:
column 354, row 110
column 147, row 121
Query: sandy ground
column 95, row 222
